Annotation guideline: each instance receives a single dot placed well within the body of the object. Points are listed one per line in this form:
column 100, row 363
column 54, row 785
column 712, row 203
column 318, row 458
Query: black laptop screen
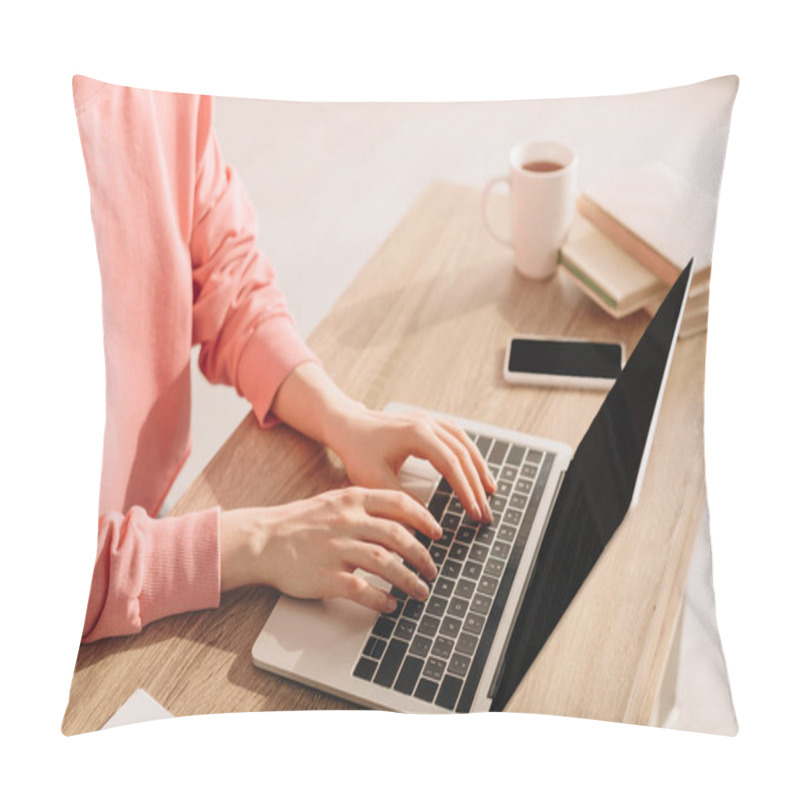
column 596, row 491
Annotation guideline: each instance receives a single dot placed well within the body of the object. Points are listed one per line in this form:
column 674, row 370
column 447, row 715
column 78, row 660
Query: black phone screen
column 552, row 357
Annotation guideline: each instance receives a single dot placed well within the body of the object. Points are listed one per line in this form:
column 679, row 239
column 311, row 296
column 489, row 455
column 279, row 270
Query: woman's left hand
column 374, row 444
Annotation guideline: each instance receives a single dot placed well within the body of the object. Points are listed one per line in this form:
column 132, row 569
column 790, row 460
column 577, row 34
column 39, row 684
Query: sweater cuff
column 270, row 354
column 182, row 566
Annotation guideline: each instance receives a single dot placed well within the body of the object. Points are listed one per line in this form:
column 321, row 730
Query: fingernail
column 423, row 589
column 390, row 606
column 487, row 512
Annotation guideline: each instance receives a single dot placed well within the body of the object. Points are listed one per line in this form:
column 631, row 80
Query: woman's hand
column 374, row 444
column 312, row 548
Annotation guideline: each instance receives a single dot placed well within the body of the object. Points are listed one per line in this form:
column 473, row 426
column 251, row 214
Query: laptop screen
column 599, row 486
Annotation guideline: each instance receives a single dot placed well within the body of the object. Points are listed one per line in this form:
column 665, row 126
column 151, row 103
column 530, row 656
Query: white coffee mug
column 542, row 184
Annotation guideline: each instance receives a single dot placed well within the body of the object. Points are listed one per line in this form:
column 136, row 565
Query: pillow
column 202, row 207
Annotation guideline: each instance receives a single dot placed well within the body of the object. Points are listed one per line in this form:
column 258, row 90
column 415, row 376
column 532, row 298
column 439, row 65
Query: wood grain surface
column 426, row 322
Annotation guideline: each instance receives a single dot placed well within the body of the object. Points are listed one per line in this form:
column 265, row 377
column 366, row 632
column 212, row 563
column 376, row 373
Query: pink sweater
column 175, row 238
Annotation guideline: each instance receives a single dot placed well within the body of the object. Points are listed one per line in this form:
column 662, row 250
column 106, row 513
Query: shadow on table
column 526, row 305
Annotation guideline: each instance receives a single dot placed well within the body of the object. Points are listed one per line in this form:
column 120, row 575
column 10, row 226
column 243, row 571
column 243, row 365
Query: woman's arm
column 149, row 568
column 312, row 548
column 373, row 444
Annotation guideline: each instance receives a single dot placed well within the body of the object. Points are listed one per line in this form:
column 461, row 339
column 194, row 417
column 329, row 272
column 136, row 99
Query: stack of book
column 633, row 235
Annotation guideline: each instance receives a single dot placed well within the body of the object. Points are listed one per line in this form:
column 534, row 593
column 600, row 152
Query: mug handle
column 486, row 192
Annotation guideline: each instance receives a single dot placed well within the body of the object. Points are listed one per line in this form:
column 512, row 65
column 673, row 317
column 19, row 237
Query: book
column 695, row 313
column 611, row 277
column 696, row 301
column 656, row 216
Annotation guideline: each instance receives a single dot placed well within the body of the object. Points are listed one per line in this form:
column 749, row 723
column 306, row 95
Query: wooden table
column 426, row 322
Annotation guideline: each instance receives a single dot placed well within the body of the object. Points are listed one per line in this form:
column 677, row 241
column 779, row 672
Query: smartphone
column 573, row 363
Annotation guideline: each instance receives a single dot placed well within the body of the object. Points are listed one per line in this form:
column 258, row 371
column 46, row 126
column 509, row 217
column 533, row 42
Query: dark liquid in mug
column 542, row 166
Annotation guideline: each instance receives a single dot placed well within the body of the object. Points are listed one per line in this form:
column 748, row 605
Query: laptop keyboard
column 436, row 650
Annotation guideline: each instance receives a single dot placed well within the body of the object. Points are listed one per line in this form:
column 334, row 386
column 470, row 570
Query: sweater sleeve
column 246, row 334
column 149, row 568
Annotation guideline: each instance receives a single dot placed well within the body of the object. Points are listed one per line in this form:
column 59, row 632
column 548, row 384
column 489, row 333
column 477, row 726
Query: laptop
column 501, row 588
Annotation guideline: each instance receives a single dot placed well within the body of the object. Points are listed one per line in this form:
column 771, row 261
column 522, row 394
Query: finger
column 396, row 538
column 487, row 479
column 379, row 561
column 432, row 448
column 464, row 457
column 361, row 591
column 399, row 506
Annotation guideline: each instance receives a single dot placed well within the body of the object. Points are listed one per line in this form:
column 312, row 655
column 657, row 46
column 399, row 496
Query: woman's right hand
column 312, row 548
